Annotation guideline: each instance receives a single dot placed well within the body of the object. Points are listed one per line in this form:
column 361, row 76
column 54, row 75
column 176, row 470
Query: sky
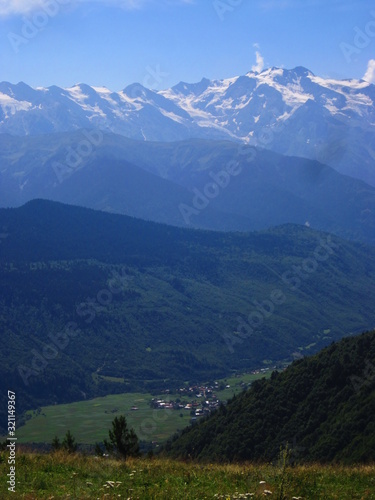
column 159, row 43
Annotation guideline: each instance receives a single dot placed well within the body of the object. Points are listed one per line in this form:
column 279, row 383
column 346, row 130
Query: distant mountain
column 321, row 407
column 103, row 181
column 86, row 296
column 218, row 185
column 292, row 112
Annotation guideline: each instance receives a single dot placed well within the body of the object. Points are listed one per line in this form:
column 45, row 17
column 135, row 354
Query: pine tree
column 122, row 440
column 56, row 445
column 69, row 443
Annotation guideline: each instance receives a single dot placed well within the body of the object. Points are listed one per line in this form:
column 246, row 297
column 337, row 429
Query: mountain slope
column 87, row 293
column 289, row 111
column 104, row 183
column 323, row 406
column 247, row 188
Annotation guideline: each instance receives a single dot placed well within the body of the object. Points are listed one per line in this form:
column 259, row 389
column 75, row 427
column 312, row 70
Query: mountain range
column 291, row 112
column 151, row 237
column 219, row 185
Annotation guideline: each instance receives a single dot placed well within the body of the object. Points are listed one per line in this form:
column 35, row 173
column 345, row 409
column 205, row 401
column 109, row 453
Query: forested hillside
column 93, row 303
column 323, row 406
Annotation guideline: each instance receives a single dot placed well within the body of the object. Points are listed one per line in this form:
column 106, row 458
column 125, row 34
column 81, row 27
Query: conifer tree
column 122, row 440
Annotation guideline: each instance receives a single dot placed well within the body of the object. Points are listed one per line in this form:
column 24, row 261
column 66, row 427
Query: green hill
column 322, row 405
column 95, row 303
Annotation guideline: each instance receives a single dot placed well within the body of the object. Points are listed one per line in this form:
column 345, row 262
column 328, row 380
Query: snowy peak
column 184, row 88
column 299, row 113
column 302, row 71
column 230, row 105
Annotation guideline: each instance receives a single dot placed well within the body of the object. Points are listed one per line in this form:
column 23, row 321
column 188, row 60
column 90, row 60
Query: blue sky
column 158, row 43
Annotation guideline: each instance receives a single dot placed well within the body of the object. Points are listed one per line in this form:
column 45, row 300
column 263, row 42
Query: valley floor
column 42, row 476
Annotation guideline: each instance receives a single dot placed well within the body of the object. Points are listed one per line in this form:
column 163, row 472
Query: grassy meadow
column 90, row 420
column 43, row 476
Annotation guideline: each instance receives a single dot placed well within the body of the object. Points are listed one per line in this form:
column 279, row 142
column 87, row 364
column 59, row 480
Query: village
column 199, row 400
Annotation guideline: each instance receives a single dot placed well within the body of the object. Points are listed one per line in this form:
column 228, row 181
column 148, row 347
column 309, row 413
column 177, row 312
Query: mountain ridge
column 247, row 188
column 289, row 111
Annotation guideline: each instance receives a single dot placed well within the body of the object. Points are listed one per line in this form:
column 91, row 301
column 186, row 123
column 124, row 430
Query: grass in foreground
column 76, row 476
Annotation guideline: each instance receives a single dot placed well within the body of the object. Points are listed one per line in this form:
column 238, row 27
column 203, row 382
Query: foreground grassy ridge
column 76, row 476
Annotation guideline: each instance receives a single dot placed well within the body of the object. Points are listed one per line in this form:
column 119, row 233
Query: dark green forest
column 321, row 407
column 86, row 296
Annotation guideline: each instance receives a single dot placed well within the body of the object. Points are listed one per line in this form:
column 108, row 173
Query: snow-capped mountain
column 292, row 112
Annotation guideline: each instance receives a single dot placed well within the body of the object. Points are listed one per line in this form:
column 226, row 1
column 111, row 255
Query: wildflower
column 110, row 484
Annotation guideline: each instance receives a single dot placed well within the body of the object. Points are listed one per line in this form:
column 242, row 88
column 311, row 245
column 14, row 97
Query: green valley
column 144, row 306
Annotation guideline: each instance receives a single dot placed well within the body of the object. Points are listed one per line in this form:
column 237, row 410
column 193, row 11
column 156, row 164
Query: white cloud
column 258, row 67
column 8, row 7
column 370, row 73
column 21, row 7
